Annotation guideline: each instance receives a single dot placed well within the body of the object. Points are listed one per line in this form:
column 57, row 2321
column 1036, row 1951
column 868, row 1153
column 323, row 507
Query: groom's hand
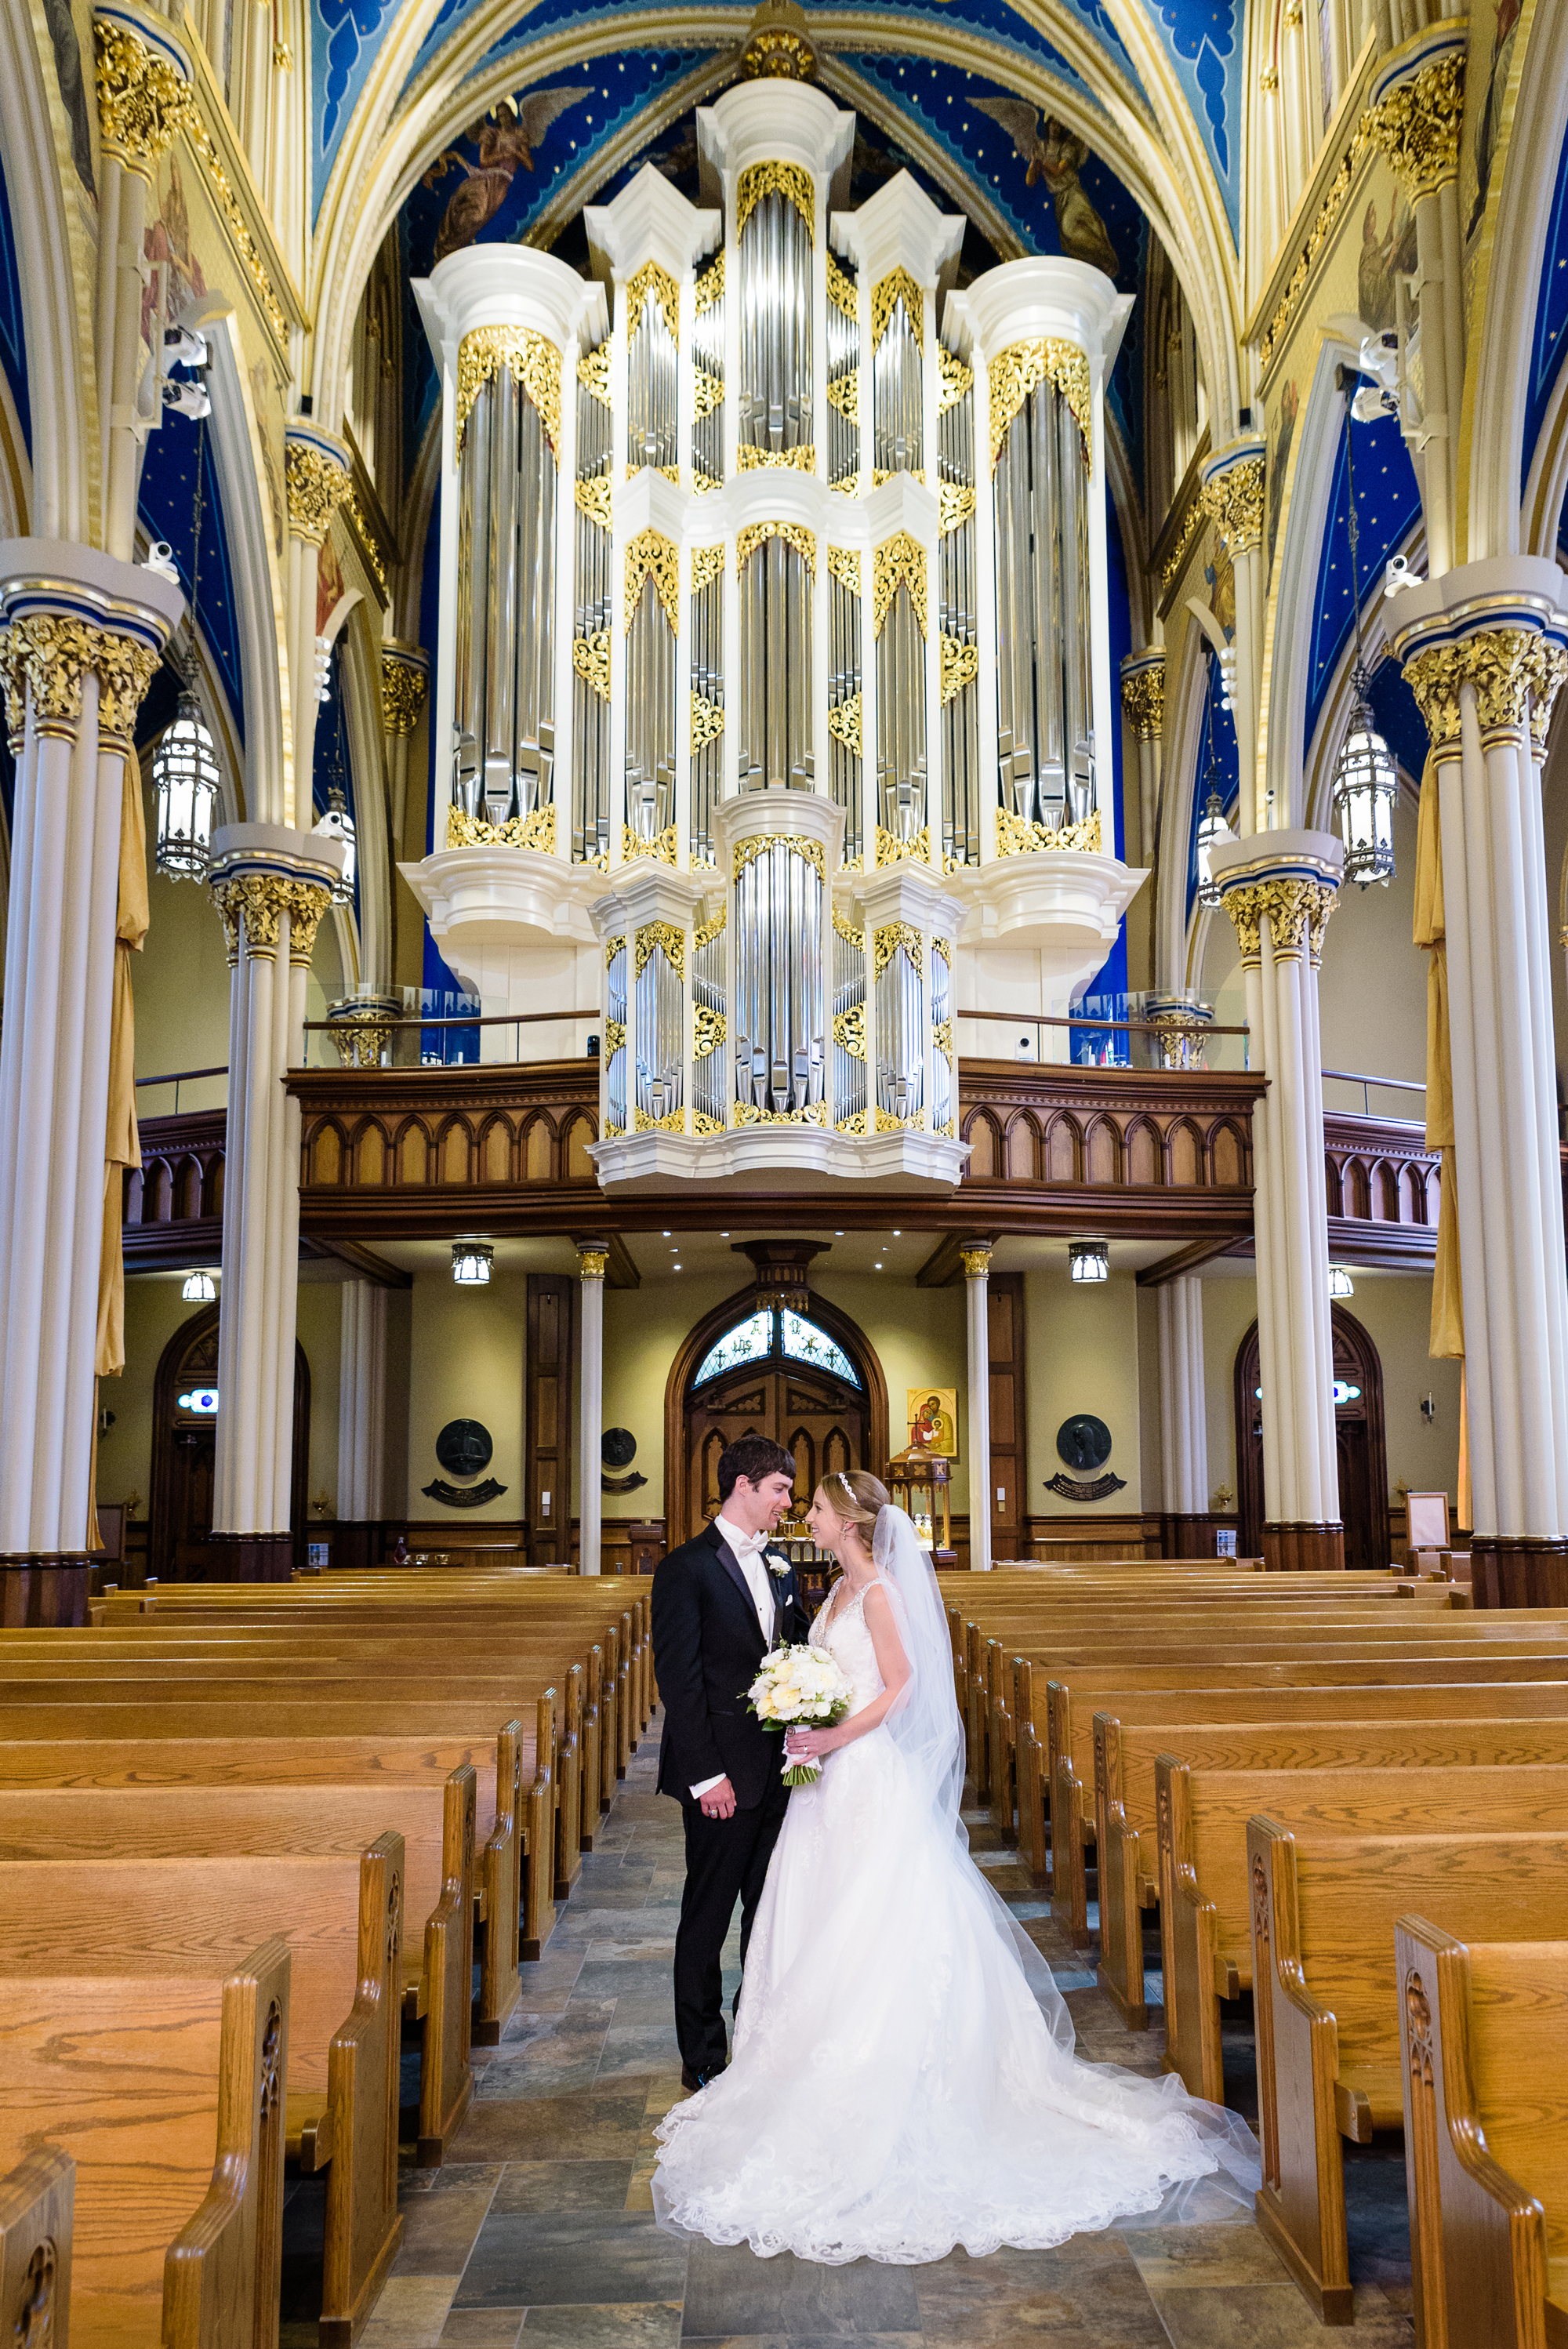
column 719, row 1802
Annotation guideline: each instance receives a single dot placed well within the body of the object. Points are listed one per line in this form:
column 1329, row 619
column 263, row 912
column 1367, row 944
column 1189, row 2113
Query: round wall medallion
column 618, row 1447
column 1084, row 1443
column 463, row 1447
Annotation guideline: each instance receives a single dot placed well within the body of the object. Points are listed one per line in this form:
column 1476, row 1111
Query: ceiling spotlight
column 1339, row 1281
column 1090, row 1259
column 471, row 1262
column 200, row 1289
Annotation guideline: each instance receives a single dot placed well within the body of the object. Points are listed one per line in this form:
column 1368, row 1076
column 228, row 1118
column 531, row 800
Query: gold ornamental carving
column 306, row 903
column 844, row 565
column 654, row 938
column 261, row 901
column 793, row 533
column 1515, row 674
column 702, row 1124
column 888, row 292
column 1017, row 837
column 652, row 555
column 615, row 1037
column 746, row 850
column 594, row 375
column 1417, row 125
column 1233, row 500
column 706, row 722
column 844, row 394
column 892, row 851
column 850, row 1031
column 960, row 666
column 144, row 99
column 1016, row 372
column 1143, row 700
column 652, row 279
column 977, row 1263
column 47, row 658
column 1296, row 910
column 403, row 688
column 709, row 288
column 953, row 379
column 890, row 939
column 845, row 722
column 591, row 1263
column 841, row 292
column 316, row 486
column 710, row 1029
column 1434, row 677
column 591, row 659
column 1328, row 213
column 673, row 1122
column 789, row 181
column 956, row 504
column 706, row 565
column 848, row 931
column 591, row 495
column 778, row 47
column 746, row 1113
column 535, row 831
column 880, row 473
column 535, row 364
column 1548, row 663
column 709, row 930
column 614, row 946
column 707, row 392
column 368, row 542
column 899, row 557
column 857, row 1125
column 941, row 1037
column 662, row 846
column 803, row 460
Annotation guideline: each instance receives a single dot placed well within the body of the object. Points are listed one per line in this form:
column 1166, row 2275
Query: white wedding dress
column 902, row 2078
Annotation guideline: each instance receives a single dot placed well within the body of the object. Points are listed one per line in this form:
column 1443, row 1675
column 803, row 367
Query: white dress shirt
column 747, row 1549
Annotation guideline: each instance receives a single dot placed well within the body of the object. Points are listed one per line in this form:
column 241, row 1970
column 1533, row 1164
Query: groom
column 720, row 1601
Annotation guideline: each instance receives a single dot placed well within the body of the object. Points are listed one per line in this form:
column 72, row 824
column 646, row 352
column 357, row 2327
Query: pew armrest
column 308, row 2130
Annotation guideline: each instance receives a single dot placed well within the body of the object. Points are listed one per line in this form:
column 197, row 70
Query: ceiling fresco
column 1200, row 41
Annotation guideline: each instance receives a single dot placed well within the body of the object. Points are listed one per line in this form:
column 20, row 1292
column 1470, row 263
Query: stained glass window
column 805, row 1342
column 748, row 1341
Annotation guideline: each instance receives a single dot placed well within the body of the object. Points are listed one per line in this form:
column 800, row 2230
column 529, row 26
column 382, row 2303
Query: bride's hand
column 810, row 1745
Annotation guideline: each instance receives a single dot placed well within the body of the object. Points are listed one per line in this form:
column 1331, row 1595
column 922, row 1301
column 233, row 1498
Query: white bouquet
column 800, row 1687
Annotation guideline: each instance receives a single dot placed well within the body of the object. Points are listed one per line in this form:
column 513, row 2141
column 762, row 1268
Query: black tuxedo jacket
column 708, row 1644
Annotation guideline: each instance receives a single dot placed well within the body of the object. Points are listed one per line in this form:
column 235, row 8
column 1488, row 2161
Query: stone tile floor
column 539, row 2229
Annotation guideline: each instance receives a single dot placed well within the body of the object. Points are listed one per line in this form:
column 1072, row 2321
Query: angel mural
column 1384, row 258
column 506, row 140
column 1057, row 155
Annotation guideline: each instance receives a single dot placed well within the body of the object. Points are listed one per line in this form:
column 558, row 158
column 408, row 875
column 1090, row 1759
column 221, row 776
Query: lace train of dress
column 902, row 2080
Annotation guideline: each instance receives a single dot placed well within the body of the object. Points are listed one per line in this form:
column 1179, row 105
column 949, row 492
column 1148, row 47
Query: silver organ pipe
column 707, row 356
column 844, row 691
column 897, row 959
column 1044, row 731
column 900, row 608
column 848, row 1027
column 653, row 377
column 591, row 634
column 897, row 336
column 707, row 697
column 843, row 374
column 778, row 1027
column 941, row 1068
column 660, row 962
column 650, row 716
column 615, row 1037
column 957, row 616
column 710, row 1059
column 773, row 410
column 777, row 565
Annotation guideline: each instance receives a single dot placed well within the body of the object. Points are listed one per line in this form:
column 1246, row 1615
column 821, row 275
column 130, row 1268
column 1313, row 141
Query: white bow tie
column 749, row 1546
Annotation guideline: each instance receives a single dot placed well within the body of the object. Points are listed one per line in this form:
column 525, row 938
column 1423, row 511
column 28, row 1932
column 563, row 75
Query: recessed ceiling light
column 666, row 1235
column 898, row 1236
column 837, row 1235
column 877, row 1267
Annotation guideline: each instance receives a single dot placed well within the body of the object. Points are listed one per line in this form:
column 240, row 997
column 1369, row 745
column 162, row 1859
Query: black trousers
column 725, row 1858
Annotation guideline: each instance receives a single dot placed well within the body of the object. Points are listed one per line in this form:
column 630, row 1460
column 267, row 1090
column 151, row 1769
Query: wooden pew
column 35, row 2206
column 1484, row 2036
column 1398, row 1777
column 165, row 2092
column 343, row 1918
column 1327, row 2009
column 435, row 1819
column 508, row 1876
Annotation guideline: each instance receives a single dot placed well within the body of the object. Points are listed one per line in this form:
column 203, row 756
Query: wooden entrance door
column 820, row 1420
column 184, row 1451
column 1358, row 1441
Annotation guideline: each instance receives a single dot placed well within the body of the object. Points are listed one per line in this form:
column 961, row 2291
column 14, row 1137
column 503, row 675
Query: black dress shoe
column 695, row 2080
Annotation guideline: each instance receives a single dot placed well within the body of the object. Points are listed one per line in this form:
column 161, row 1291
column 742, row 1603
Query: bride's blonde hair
column 855, row 1495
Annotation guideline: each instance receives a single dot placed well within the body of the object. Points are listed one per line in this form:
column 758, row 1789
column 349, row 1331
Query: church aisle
column 539, row 2229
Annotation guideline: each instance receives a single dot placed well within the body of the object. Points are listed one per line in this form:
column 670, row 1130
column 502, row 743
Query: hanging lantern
column 200, row 1289
column 1212, row 830
column 185, row 781
column 471, row 1261
column 1366, row 786
column 1089, row 1259
column 338, row 825
column 1339, row 1281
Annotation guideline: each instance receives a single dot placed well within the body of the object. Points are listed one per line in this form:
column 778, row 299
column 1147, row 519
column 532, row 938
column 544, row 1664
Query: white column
column 362, row 1402
column 404, row 679
column 1183, row 1410
column 82, row 636
column 1143, row 701
column 272, row 888
column 1483, row 650
column 591, row 1262
column 1279, row 889
column 1233, row 494
column 976, row 1260
column 316, row 479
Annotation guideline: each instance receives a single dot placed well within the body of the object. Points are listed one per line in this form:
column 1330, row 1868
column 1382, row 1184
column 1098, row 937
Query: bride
column 903, row 2079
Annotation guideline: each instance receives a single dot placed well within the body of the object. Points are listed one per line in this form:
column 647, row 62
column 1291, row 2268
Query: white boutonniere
column 777, row 1564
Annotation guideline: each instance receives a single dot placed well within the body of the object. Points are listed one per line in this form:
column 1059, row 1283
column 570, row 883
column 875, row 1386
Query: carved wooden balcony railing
column 174, row 1212
column 1383, row 1187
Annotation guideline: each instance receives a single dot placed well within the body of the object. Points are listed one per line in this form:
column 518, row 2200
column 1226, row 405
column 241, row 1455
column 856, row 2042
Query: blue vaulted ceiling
column 1201, row 40
column 1388, row 506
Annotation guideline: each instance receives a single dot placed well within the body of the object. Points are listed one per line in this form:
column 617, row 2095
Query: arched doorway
column 184, row 1450
column 1360, row 1441
column 811, row 1380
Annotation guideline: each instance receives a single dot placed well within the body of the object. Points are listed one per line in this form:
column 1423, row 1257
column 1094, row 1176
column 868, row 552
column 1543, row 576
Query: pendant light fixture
column 186, row 780
column 1365, row 779
column 1089, row 1259
column 1211, row 828
column 1339, row 1281
column 337, row 823
column 471, row 1262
